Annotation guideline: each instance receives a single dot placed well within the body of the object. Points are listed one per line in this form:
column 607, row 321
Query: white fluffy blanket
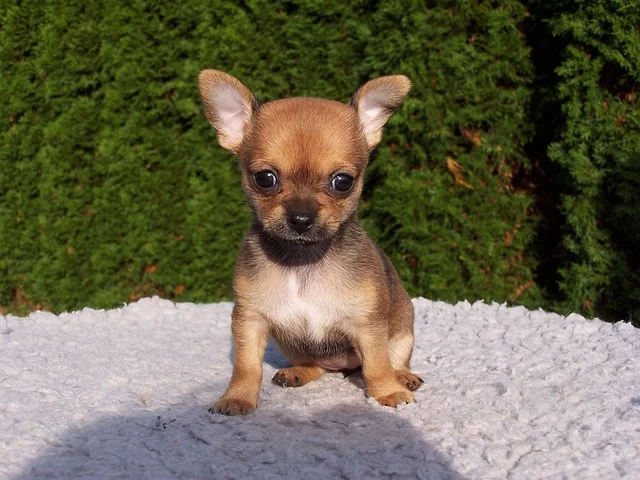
column 508, row 393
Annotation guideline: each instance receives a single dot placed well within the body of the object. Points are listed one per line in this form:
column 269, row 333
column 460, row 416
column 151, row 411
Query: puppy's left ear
column 376, row 100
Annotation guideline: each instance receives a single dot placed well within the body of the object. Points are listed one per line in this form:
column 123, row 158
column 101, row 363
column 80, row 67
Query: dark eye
column 342, row 183
column 265, row 179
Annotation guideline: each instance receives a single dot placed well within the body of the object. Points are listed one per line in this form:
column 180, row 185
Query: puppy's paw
column 410, row 380
column 395, row 399
column 286, row 379
column 296, row 376
column 232, row 406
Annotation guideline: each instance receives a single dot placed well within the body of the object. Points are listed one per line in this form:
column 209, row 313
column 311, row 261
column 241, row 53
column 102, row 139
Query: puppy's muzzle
column 301, row 222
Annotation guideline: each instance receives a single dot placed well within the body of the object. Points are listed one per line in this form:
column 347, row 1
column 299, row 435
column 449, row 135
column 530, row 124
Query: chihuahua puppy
column 307, row 274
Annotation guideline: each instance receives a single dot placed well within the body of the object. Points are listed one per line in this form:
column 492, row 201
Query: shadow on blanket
column 354, row 441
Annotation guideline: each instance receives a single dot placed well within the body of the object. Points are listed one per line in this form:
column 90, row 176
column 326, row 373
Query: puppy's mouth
column 293, row 249
column 286, row 236
column 305, row 239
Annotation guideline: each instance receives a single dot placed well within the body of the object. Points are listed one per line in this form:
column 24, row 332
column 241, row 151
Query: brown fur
column 328, row 296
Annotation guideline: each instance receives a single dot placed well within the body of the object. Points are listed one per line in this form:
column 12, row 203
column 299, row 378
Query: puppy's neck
column 292, row 254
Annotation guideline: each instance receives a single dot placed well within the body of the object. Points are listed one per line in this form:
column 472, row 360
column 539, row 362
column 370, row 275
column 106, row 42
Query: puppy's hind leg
column 400, row 349
column 297, row 376
column 302, row 372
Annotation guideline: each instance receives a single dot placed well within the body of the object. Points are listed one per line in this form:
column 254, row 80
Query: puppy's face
column 303, row 163
column 303, row 159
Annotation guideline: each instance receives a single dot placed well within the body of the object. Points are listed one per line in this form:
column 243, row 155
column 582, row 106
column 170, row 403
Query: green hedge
column 112, row 185
column 443, row 202
column 589, row 72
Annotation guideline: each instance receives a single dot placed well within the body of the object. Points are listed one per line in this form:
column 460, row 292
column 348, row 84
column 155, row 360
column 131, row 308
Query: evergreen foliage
column 595, row 153
column 443, row 202
column 113, row 187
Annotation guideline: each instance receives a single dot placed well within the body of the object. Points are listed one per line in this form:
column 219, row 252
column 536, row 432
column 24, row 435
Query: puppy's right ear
column 228, row 105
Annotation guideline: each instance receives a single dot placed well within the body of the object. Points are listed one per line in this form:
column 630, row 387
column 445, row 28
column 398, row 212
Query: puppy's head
column 302, row 159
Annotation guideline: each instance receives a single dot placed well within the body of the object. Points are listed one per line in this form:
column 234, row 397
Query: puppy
column 307, row 274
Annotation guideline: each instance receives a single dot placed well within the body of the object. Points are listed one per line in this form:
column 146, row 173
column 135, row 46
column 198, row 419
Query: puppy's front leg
column 250, row 336
column 381, row 380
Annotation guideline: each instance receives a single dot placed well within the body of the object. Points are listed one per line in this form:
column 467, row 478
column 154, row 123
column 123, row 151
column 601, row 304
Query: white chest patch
column 308, row 302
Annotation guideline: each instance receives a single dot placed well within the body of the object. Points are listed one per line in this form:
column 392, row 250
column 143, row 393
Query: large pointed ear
column 228, row 105
column 376, row 100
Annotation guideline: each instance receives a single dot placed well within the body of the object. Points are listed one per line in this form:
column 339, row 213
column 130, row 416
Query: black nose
column 301, row 221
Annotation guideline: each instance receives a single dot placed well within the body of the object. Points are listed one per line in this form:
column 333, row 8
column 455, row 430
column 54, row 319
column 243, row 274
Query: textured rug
column 508, row 393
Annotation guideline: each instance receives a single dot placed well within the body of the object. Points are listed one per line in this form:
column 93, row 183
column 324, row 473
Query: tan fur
column 328, row 296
